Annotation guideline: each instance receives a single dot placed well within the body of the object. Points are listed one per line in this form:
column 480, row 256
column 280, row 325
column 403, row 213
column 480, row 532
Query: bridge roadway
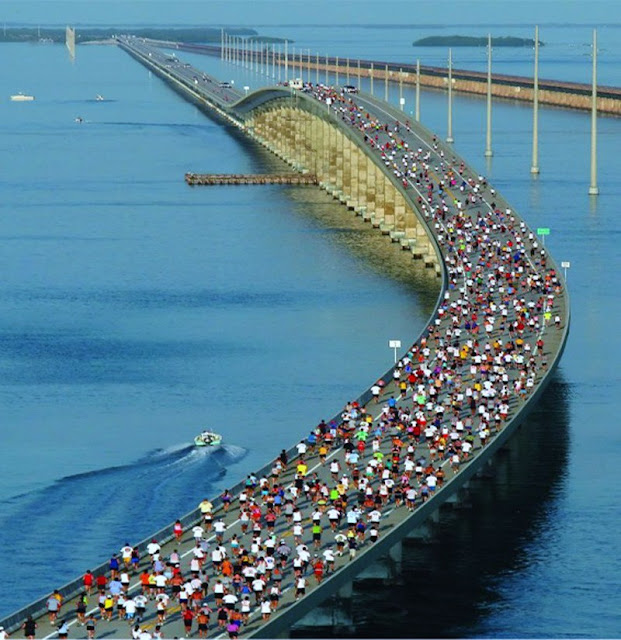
column 554, row 92
column 480, row 247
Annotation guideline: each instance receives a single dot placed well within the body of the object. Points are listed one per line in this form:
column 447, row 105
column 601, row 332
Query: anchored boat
column 22, row 97
column 207, row 439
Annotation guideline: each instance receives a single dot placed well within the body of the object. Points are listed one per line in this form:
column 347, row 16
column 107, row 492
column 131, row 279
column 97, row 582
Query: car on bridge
column 350, row 88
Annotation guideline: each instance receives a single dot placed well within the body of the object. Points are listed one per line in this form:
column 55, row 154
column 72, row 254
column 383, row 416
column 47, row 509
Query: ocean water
column 135, row 310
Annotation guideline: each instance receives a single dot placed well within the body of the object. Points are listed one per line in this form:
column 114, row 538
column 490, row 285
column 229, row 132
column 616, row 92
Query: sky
column 283, row 12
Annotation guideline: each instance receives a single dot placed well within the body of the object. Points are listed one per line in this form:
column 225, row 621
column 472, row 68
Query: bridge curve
column 488, row 262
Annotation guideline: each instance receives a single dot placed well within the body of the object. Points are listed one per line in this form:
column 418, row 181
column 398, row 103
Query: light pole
column 593, row 188
column 488, row 137
column 417, row 91
column 317, row 68
column 449, row 136
column 386, row 84
column 535, row 163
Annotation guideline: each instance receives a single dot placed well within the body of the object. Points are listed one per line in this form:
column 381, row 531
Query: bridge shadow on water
column 449, row 583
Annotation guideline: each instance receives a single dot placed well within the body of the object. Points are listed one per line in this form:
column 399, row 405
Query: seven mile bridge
column 253, row 561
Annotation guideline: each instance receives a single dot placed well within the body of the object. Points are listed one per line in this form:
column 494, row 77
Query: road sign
column 543, row 231
column 566, row 265
column 395, row 344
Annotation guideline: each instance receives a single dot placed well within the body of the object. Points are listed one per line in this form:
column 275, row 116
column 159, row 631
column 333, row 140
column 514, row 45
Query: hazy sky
column 266, row 12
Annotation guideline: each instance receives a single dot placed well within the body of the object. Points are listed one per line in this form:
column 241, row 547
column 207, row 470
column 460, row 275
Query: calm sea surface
column 134, row 311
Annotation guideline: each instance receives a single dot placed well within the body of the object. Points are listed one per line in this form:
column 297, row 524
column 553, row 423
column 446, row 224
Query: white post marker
column 565, row 266
column 542, row 232
column 395, row 344
column 246, row 89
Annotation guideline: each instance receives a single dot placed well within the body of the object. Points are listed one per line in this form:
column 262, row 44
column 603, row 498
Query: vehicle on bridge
column 296, row 83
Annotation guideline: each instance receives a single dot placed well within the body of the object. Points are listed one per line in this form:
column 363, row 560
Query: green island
column 474, row 41
column 97, row 34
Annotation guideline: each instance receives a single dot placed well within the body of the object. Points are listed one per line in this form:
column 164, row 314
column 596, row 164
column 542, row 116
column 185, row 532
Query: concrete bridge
column 499, row 291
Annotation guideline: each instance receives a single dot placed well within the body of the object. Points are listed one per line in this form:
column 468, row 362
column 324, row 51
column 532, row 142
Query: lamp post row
column 237, row 50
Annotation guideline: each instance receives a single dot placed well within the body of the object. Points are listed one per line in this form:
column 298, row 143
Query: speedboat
column 22, row 97
column 207, row 439
column 99, row 98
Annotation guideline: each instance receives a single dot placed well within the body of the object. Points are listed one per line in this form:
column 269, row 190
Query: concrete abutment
column 314, row 143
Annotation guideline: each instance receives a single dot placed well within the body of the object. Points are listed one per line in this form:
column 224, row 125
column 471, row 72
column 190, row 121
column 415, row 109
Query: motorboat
column 22, row 97
column 99, row 98
column 79, row 120
column 207, row 439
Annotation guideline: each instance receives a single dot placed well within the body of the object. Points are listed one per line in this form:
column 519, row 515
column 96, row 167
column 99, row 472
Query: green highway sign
column 543, row 231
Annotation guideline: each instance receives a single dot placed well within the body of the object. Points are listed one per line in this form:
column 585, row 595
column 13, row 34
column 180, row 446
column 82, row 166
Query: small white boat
column 22, row 97
column 99, row 98
column 207, row 439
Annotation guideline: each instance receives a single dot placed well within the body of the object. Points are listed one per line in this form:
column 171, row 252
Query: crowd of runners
column 290, row 529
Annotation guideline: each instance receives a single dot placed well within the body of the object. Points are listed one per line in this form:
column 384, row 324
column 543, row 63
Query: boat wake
column 80, row 520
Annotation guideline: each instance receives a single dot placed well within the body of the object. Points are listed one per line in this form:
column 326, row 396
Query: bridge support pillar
column 324, row 169
column 421, row 533
column 363, row 161
column 308, row 141
column 379, row 206
column 346, row 591
column 370, row 195
column 347, row 182
column 297, row 151
column 399, row 226
column 388, row 225
column 284, row 133
column 333, row 150
column 354, row 202
column 317, row 149
column 396, row 553
column 339, row 160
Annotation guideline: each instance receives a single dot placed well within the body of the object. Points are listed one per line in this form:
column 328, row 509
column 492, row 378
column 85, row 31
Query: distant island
column 94, row 34
column 474, row 41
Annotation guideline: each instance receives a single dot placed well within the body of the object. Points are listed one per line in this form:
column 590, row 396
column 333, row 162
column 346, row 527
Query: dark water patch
column 164, row 299
column 80, row 348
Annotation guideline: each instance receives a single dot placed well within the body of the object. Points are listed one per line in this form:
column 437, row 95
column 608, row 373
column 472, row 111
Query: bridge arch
column 312, row 139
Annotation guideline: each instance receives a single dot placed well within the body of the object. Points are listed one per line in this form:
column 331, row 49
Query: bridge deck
column 487, row 275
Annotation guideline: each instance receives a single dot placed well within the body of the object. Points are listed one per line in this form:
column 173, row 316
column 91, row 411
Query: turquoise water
column 134, row 311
